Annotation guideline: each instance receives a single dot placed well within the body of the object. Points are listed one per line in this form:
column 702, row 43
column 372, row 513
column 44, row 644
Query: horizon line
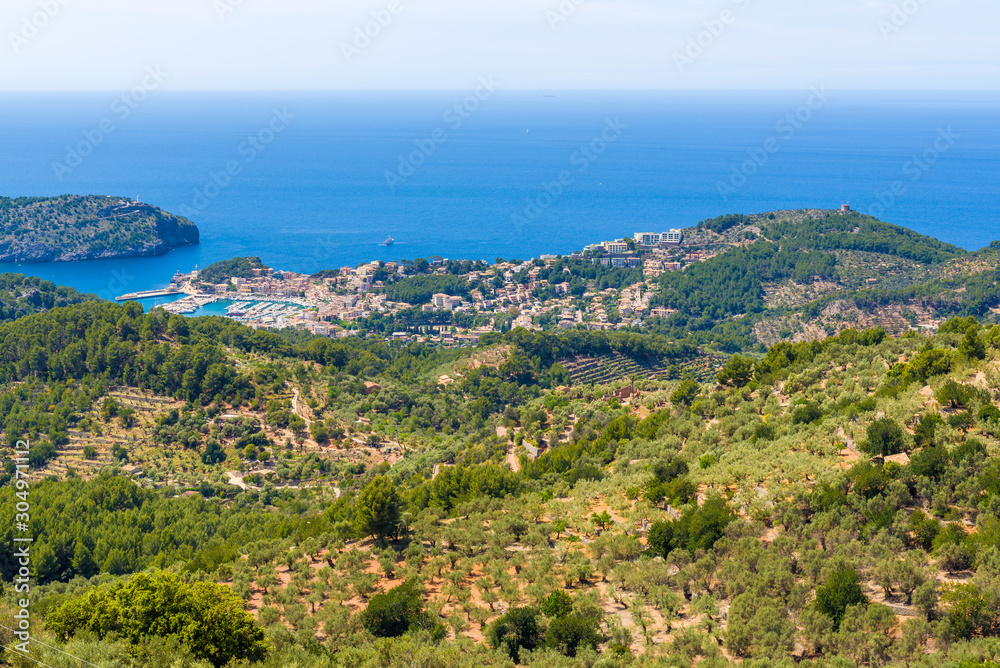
column 510, row 90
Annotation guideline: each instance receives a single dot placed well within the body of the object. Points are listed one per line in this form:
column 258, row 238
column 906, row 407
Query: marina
column 188, row 304
column 259, row 312
column 266, row 312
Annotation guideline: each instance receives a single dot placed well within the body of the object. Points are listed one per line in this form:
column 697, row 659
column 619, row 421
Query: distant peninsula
column 70, row 228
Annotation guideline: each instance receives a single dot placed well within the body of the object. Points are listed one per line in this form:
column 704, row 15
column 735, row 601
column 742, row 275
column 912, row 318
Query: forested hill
column 73, row 227
column 859, row 232
column 23, row 295
column 805, row 274
column 835, row 230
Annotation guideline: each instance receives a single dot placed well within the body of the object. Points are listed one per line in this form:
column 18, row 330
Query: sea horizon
column 476, row 174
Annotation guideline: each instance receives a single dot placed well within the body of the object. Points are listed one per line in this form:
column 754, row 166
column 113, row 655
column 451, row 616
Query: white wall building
column 672, row 237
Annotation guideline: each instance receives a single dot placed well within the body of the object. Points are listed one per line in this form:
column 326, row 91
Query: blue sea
column 314, row 181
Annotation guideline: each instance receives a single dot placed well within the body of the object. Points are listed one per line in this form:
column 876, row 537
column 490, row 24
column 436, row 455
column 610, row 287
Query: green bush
column 989, row 412
column 206, row 617
column 517, row 630
column 840, row 592
column 557, row 604
column 698, row 528
column 868, row 480
column 923, row 433
column 397, row 611
column 884, row 438
column 379, row 509
column 686, row 393
column 931, row 462
column 213, row 454
column 570, row 633
column 806, row 413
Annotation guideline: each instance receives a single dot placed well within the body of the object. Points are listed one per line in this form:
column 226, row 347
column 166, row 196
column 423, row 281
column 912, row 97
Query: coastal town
column 502, row 296
column 629, row 282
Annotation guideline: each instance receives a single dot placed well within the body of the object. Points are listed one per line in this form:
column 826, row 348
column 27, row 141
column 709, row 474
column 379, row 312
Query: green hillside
column 72, row 227
column 206, row 494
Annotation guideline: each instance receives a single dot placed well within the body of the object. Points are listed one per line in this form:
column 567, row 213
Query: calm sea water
column 313, row 181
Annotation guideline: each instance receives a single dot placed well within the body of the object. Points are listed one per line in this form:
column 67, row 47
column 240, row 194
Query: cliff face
column 72, row 228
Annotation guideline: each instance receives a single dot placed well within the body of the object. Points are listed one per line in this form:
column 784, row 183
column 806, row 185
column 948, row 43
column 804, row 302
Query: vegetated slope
column 855, row 231
column 23, row 295
column 833, row 502
column 237, row 267
column 774, row 276
column 420, row 289
column 73, row 227
column 966, row 286
column 767, row 248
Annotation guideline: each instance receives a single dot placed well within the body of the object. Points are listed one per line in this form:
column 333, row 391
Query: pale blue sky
column 525, row 44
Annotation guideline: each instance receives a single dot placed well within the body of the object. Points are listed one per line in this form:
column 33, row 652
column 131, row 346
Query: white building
column 616, row 246
column 674, row 237
column 647, row 238
column 446, row 302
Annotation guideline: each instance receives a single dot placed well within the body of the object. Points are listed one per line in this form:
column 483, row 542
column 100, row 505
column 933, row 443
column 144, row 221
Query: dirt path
column 512, row 460
column 295, row 406
column 236, row 478
column 848, row 440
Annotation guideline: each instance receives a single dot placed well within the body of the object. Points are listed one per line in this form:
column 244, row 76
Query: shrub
column 697, row 529
column 989, row 413
column 686, row 393
column 806, row 413
column 968, row 451
column 969, row 613
column 884, row 438
column 840, row 592
column 213, row 454
column 931, row 462
column 207, row 617
column 763, row 431
column 570, row 633
column 397, row 611
column 738, row 372
column 963, row 421
column 925, row 529
column 516, row 630
column 557, row 604
column 868, row 479
column 926, row 364
column 923, row 433
column 957, row 395
column 972, row 346
column 379, row 509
